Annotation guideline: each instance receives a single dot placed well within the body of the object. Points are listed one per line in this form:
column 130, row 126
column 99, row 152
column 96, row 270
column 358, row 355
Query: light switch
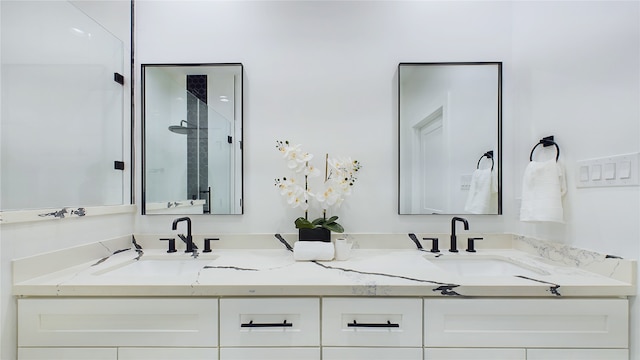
column 584, row 173
column 596, row 172
column 624, row 172
column 465, row 182
column 609, row 171
column 613, row 170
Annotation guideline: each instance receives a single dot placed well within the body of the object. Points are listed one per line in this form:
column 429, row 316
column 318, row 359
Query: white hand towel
column 313, row 250
column 543, row 187
column 483, row 193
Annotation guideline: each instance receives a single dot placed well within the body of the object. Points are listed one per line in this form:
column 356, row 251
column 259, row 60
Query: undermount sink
column 157, row 267
column 484, row 266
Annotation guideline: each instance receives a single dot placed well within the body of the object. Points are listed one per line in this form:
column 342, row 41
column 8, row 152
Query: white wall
column 577, row 70
column 324, row 74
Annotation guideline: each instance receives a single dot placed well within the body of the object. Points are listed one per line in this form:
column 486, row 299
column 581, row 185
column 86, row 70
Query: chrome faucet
column 454, row 240
column 187, row 239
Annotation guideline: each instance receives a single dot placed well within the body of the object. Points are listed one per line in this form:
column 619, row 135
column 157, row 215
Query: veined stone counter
column 380, row 265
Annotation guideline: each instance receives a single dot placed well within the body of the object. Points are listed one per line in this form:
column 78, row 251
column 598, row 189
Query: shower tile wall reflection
column 192, row 159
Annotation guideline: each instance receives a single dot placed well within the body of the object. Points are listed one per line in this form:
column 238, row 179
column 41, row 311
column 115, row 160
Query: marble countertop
column 388, row 265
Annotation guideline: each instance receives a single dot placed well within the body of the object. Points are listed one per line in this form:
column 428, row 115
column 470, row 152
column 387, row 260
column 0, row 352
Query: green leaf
column 334, row 226
column 318, row 222
column 332, row 219
column 302, row 223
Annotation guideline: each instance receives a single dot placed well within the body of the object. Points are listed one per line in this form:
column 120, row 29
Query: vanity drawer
column 271, row 353
column 173, row 322
column 377, row 322
column 533, row 323
column 371, row 353
column 475, row 354
column 61, row 353
column 581, row 354
column 269, row 322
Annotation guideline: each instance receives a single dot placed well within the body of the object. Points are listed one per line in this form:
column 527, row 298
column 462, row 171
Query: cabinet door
column 269, row 322
column 378, row 322
column 67, row 353
column 475, row 354
column 526, row 323
column 167, row 354
column 270, row 353
column 101, row 322
column 577, row 354
column 335, row 353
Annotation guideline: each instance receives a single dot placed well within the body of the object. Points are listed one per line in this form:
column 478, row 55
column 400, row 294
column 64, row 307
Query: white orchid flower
column 337, row 186
column 311, row 171
column 285, row 148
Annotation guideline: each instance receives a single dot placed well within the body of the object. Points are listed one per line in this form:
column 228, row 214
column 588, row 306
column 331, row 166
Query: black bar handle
column 250, row 324
column 378, row 325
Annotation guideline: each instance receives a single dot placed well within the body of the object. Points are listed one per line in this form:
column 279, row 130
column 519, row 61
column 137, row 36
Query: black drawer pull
column 387, row 325
column 282, row 324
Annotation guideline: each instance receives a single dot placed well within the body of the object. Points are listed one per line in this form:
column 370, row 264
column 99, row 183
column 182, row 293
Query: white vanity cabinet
column 538, row 329
column 158, row 353
column 270, row 328
column 577, row 354
column 327, row 328
column 117, row 328
column 474, row 354
column 62, row 353
column 371, row 328
column 123, row 353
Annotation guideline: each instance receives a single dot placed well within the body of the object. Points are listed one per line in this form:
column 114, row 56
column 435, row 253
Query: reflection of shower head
column 180, row 129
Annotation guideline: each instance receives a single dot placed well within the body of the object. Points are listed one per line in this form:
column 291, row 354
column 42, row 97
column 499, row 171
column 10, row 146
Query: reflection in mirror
column 192, row 139
column 62, row 109
column 450, row 117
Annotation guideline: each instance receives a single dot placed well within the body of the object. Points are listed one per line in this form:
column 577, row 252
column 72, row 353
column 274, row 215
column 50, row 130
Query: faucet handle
column 172, row 244
column 207, row 244
column 434, row 244
column 470, row 244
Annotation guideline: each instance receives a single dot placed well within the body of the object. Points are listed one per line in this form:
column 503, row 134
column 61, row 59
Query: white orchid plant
column 340, row 176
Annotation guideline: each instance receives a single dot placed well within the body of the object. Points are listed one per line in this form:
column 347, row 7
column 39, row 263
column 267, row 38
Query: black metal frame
column 142, row 130
column 499, row 104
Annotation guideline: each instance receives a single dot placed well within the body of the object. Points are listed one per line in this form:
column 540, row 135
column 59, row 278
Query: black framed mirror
column 450, row 138
column 192, row 139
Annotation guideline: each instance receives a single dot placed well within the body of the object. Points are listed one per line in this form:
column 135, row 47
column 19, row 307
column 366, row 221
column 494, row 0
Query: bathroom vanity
column 515, row 298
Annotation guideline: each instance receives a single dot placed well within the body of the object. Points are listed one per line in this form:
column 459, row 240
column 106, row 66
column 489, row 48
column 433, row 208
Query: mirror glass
column 192, row 138
column 450, row 117
column 62, row 107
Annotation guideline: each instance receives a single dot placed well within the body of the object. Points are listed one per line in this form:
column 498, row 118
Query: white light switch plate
column 616, row 170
